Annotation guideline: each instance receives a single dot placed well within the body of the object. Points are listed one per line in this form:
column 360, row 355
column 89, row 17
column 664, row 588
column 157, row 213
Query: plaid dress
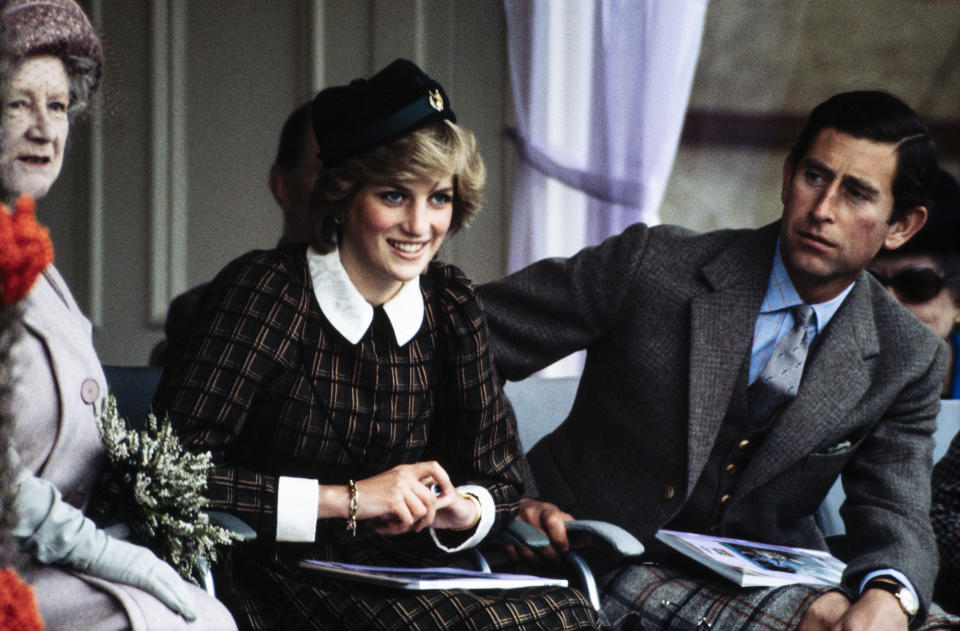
column 270, row 387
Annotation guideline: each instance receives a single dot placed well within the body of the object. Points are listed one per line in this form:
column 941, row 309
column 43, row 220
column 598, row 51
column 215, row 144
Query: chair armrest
column 583, row 532
column 520, row 533
column 233, row 524
column 616, row 537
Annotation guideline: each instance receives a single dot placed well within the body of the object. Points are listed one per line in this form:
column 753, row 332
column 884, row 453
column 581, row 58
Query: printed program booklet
column 428, row 577
column 751, row 564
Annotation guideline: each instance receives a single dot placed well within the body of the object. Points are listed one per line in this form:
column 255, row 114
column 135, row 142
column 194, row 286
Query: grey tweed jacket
column 667, row 318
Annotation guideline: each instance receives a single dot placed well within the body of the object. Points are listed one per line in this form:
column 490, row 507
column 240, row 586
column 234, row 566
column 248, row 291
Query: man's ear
column 905, row 227
column 787, row 179
column 278, row 186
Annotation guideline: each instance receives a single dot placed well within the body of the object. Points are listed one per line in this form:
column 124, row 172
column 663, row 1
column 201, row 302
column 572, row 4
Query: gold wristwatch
column 908, row 602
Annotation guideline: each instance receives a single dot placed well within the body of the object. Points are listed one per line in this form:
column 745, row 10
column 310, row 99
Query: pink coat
column 59, row 381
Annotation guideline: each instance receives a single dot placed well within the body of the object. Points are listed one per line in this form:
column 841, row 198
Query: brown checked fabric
column 270, row 387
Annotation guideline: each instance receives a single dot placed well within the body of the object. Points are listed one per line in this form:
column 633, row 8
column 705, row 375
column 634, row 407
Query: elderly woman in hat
column 346, row 388
column 50, row 65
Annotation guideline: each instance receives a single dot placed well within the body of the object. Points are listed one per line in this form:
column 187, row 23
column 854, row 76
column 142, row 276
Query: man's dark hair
column 881, row 117
column 293, row 139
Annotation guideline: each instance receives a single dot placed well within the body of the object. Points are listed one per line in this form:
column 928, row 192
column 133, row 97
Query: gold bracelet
column 476, row 501
column 354, row 507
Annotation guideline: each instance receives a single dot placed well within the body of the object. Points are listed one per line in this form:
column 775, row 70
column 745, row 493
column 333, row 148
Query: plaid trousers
column 661, row 598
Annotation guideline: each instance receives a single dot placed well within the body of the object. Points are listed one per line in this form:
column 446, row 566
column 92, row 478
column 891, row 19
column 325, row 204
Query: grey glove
column 56, row 532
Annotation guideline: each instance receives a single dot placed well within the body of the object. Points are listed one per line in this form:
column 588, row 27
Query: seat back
column 540, row 404
column 948, row 425
column 133, row 387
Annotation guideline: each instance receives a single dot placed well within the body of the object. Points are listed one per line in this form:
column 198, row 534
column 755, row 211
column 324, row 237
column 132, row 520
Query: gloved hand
column 56, row 532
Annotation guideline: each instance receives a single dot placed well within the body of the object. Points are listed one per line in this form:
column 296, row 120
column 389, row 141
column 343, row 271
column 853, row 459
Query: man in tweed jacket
column 676, row 324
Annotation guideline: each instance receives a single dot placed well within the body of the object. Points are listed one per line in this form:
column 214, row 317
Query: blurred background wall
column 764, row 65
column 166, row 180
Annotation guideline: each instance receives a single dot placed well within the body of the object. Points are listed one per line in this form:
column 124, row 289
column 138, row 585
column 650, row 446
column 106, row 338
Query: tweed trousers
column 665, row 598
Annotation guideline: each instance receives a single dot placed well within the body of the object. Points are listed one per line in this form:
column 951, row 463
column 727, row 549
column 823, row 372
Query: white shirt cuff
column 297, row 501
column 488, row 513
column 900, row 577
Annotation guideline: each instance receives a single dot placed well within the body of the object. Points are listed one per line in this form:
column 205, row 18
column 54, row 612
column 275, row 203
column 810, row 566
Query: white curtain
column 601, row 89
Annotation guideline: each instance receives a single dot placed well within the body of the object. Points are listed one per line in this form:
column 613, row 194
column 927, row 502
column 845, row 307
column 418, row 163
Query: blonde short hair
column 430, row 151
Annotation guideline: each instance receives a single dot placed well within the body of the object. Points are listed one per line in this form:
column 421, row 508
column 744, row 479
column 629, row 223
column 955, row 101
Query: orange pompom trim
column 18, row 609
column 25, row 250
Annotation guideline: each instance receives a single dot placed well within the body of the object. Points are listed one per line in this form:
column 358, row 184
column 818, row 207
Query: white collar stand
column 348, row 311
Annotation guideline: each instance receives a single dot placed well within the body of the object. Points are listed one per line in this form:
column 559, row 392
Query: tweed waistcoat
column 715, row 489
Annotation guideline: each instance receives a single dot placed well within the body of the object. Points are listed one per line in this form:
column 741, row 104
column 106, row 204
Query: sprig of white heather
column 169, row 486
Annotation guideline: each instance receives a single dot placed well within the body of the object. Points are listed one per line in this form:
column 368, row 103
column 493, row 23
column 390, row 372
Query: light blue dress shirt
column 774, row 321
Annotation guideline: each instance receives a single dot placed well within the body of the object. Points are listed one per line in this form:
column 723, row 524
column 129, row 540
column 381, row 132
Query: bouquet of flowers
column 25, row 250
column 160, row 487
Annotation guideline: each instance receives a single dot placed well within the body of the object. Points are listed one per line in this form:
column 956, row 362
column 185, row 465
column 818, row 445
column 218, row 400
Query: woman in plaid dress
column 347, row 391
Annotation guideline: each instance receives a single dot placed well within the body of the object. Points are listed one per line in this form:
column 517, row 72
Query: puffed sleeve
column 474, row 433
column 216, row 386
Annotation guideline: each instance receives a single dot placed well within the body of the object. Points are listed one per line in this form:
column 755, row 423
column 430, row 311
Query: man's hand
column 548, row 519
column 875, row 610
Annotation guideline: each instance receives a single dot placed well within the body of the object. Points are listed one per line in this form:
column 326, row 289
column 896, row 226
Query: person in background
column 732, row 375
column 293, row 174
column 291, row 180
column 51, row 62
column 926, row 279
column 945, row 516
column 336, row 383
column 924, row 273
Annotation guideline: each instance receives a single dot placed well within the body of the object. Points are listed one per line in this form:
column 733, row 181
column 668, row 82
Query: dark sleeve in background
column 180, row 316
column 945, row 516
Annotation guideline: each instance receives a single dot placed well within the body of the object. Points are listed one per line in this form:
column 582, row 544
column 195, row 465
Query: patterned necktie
column 778, row 381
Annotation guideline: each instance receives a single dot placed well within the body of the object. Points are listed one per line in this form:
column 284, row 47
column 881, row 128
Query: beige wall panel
column 247, row 63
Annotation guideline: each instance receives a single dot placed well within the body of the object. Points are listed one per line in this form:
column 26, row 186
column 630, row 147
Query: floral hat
column 52, row 27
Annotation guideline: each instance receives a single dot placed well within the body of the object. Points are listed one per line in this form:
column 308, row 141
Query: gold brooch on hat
column 436, row 101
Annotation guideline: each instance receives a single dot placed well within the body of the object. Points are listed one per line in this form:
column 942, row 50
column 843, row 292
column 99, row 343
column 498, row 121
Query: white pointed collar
column 349, row 312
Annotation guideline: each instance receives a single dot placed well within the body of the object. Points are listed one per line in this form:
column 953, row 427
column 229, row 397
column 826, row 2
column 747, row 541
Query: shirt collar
column 348, row 311
column 781, row 294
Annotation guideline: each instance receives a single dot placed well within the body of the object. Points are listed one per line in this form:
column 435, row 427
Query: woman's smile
column 392, row 231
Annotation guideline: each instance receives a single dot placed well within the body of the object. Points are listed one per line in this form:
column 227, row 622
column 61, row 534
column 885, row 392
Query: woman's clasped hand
column 404, row 499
